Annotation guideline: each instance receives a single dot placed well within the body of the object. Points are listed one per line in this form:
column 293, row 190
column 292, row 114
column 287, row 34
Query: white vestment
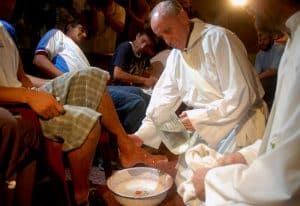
column 273, row 175
column 214, row 77
column 8, row 49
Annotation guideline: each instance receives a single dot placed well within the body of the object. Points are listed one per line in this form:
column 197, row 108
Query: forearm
column 36, row 81
column 23, row 78
column 14, row 95
column 267, row 175
column 46, row 66
column 120, row 75
column 268, row 73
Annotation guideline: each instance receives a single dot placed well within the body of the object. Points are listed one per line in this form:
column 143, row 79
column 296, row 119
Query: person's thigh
column 134, row 90
column 131, row 108
column 123, row 99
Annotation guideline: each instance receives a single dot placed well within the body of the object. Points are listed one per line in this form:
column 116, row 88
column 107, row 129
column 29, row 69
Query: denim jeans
column 131, row 103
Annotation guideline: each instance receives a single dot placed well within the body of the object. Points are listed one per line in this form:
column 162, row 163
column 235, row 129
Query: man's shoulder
column 125, row 44
column 215, row 30
column 9, row 28
column 278, row 47
column 124, row 47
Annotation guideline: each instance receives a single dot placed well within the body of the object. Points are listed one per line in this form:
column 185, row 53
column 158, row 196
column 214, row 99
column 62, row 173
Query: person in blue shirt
column 268, row 58
column 267, row 62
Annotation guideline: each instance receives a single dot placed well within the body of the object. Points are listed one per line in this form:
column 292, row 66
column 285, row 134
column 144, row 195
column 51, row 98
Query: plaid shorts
column 80, row 92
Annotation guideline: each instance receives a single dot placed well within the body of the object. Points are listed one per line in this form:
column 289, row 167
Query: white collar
column 134, row 52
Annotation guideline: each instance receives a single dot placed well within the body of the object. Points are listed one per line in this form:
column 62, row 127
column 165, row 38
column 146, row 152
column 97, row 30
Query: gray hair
column 167, row 8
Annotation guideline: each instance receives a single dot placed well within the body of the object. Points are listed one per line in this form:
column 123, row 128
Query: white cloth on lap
column 196, row 157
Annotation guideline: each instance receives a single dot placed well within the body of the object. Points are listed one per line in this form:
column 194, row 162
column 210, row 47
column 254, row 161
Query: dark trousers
column 19, row 142
column 131, row 104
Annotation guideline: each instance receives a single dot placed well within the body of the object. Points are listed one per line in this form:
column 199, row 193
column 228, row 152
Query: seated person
column 19, row 141
column 130, row 61
column 59, row 52
column 73, row 115
column 267, row 62
column 268, row 58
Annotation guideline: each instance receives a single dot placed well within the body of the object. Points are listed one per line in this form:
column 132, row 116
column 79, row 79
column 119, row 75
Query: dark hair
column 71, row 24
column 148, row 31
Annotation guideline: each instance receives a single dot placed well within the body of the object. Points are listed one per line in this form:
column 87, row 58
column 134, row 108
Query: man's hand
column 198, row 182
column 44, row 104
column 233, row 158
column 186, row 121
column 150, row 82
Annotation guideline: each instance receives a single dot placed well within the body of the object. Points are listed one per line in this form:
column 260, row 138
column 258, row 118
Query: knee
column 7, row 121
column 141, row 106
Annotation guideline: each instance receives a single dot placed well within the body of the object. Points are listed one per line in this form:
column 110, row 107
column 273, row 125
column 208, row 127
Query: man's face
column 77, row 33
column 174, row 29
column 143, row 43
column 265, row 41
column 266, row 13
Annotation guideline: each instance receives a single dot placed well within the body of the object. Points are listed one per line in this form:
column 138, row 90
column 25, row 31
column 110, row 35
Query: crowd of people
column 204, row 71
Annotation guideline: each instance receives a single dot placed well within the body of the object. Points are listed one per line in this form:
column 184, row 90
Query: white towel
column 199, row 156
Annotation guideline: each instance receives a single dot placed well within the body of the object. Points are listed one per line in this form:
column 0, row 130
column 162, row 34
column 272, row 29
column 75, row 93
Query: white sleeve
column 272, row 178
column 164, row 100
column 250, row 153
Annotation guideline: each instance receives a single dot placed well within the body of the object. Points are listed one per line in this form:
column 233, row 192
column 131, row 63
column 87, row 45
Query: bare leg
column 130, row 154
column 80, row 163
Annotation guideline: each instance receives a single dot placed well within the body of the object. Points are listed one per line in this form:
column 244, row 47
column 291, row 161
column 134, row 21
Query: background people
column 267, row 62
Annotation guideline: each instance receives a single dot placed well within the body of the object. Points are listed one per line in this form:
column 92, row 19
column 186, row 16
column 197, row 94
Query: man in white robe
column 209, row 71
column 267, row 172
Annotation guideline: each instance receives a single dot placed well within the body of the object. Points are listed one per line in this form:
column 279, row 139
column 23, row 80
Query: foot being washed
column 131, row 154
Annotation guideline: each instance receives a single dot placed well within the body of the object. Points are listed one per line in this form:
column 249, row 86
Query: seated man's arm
column 121, row 75
column 42, row 103
column 46, row 66
column 268, row 73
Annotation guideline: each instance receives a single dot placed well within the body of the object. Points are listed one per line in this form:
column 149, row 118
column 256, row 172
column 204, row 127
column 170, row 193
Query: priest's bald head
column 170, row 22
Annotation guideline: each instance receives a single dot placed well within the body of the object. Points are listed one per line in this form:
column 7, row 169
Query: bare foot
column 139, row 156
column 137, row 141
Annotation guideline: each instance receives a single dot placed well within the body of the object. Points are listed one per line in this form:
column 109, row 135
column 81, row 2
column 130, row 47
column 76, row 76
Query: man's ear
column 182, row 15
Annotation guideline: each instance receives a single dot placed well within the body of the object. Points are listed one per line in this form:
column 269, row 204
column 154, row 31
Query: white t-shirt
column 8, row 66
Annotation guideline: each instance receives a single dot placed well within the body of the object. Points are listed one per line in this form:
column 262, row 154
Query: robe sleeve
column 270, row 180
column 164, row 100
